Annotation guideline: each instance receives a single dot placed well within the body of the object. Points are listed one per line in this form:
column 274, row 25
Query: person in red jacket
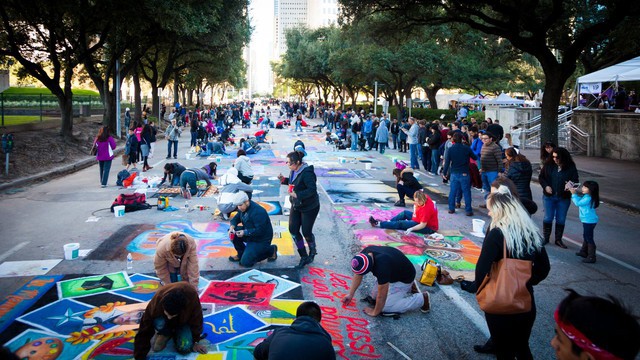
column 423, row 219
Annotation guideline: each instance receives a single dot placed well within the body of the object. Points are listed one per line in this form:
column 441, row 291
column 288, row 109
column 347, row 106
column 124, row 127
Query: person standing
column 434, row 143
column 519, row 171
column 173, row 312
column 511, row 231
column 457, row 160
column 395, row 275
column 367, row 130
column 490, row 163
column 131, row 149
column 304, row 336
column 127, row 119
column 105, row 144
column 194, row 125
column 556, row 198
column 395, row 130
column 172, row 133
column 412, row 140
column 298, row 123
column 251, row 225
column 587, row 204
column 176, row 259
column 382, row 136
column 152, row 144
column 305, row 205
column 145, row 147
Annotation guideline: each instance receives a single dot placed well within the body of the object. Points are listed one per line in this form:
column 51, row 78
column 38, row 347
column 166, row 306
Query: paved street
column 37, row 220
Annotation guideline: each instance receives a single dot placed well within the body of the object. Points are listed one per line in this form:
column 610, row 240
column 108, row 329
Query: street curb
column 67, row 169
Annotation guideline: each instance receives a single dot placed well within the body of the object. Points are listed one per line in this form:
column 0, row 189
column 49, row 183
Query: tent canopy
column 625, row 71
column 464, row 97
column 504, row 99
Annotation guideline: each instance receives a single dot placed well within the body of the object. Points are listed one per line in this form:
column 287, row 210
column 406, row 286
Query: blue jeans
column 382, row 146
column 460, row 183
column 487, row 179
column 251, row 252
column 587, row 232
column 105, row 167
column 405, row 191
column 413, row 150
column 403, row 221
column 435, row 161
column 189, row 177
column 194, row 136
column 395, row 141
column 555, row 208
column 175, row 148
column 354, row 141
column 182, row 337
column 298, row 126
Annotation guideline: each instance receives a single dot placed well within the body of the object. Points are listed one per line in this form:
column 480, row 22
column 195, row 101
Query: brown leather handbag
column 504, row 290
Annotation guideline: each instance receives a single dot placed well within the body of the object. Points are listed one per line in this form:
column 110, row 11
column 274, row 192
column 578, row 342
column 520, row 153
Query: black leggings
column 304, row 219
column 510, row 334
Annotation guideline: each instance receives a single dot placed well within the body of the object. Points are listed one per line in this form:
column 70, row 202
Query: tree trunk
column 66, row 111
column 549, row 114
column 189, row 99
column 137, row 103
column 431, row 95
column 176, row 89
column 155, row 101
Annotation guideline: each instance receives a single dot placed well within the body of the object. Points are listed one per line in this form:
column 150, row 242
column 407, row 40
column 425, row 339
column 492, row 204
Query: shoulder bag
column 94, row 148
column 504, row 290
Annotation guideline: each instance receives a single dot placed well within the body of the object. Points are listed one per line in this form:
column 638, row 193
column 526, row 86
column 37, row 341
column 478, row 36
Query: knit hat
column 361, row 264
column 239, row 198
column 300, row 148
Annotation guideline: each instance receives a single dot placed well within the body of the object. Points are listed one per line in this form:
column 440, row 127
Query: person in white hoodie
column 230, row 185
column 243, row 164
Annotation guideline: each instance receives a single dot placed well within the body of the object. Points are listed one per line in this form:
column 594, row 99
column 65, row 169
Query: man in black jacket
column 256, row 231
column 457, row 160
column 395, row 130
column 305, row 336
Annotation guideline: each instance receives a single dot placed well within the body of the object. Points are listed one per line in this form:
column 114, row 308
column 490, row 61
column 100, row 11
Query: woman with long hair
column 305, row 205
column 556, row 199
column 519, row 171
column 145, row 146
column 423, row 219
column 511, row 226
column 105, row 144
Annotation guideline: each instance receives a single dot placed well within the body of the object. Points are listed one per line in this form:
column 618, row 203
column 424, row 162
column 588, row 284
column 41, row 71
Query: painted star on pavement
column 68, row 316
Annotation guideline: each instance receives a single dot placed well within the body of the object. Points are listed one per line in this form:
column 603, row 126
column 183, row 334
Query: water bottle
column 186, row 205
column 129, row 262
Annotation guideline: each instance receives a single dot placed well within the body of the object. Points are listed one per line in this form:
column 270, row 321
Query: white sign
column 591, row 88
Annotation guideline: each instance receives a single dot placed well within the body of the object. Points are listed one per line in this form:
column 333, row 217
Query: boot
column 591, row 254
column 583, row 250
column 304, row 258
column 312, row 252
column 546, row 230
column 559, row 232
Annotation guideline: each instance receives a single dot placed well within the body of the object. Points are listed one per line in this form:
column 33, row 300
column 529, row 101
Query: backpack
column 122, row 175
column 131, row 202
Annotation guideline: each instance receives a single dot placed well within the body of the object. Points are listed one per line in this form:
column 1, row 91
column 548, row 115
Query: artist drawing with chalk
column 176, row 259
column 251, row 233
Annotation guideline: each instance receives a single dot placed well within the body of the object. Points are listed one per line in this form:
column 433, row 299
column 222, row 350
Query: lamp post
column 375, row 98
column 160, row 108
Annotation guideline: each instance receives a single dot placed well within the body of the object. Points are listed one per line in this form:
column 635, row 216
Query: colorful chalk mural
column 35, row 344
column 334, row 172
column 230, row 323
column 237, row 293
column 22, row 299
column 212, row 238
column 455, row 253
column 91, row 285
column 257, row 276
column 358, row 214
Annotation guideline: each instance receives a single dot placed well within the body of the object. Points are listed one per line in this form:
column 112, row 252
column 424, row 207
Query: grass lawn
column 10, row 120
column 44, row 91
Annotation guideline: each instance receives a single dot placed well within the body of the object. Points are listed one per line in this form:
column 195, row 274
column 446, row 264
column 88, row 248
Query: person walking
column 456, row 159
column 556, row 198
column 519, row 171
column 490, row 163
column 412, row 140
column 305, row 205
column 105, row 144
column 382, row 136
column 172, row 133
column 587, row 204
column 512, row 232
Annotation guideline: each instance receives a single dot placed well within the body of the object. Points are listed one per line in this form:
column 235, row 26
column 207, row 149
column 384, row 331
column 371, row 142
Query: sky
column 261, row 45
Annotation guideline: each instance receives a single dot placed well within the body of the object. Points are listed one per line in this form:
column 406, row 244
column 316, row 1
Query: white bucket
column 71, row 251
column 118, row 211
column 367, row 166
column 395, row 160
column 187, row 156
column 218, row 159
column 478, row 226
column 342, row 160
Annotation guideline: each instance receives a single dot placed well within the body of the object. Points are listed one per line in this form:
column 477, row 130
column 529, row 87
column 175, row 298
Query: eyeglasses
column 485, row 138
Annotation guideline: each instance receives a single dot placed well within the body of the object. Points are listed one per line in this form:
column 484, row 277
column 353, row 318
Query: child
column 587, row 204
column 131, row 148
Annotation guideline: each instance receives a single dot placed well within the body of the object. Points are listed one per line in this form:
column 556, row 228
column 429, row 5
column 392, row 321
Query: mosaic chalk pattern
column 359, row 214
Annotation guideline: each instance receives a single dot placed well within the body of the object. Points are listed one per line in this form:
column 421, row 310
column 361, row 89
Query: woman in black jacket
column 556, row 199
column 519, row 171
column 145, row 146
column 512, row 227
column 406, row 184
column 305, row 205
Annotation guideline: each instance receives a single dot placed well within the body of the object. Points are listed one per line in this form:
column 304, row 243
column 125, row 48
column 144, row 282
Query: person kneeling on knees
column 252, row 239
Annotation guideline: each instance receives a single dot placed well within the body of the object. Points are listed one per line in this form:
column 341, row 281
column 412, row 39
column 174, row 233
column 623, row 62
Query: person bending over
column 176, row 259
column 423, row 219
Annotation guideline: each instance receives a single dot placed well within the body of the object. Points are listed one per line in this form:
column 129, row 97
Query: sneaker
column 175, row 157
column 274, row 257
column 427, row 303
column 234, row 258
column 168, row 157
column 373, row 221
column 470, row 213
column 452, row 211
column 399, row 203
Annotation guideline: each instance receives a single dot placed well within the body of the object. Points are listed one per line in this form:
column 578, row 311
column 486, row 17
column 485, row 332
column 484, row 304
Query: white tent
column 504, row 99
column 625, row 71
column 465, row 97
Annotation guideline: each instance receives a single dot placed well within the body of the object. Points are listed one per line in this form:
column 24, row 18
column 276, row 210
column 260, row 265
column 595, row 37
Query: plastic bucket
column 342, row 160
column 478, row 226
column 367, row 166
column 118, row 211
column 218, row 159
column 71, row 251
column 187, row 156
column 395, row 160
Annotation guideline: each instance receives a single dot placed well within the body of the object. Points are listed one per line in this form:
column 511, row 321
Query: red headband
column 582, row 341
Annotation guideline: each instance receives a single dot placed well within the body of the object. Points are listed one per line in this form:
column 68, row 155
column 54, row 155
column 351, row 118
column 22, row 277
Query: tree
column 555, row 32
column 37, row 34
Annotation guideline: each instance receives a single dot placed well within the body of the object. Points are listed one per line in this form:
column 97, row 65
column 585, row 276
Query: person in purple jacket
column 105, row 145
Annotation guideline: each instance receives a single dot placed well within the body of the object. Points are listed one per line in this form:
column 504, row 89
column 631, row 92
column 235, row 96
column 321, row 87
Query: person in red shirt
column 423, row 219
